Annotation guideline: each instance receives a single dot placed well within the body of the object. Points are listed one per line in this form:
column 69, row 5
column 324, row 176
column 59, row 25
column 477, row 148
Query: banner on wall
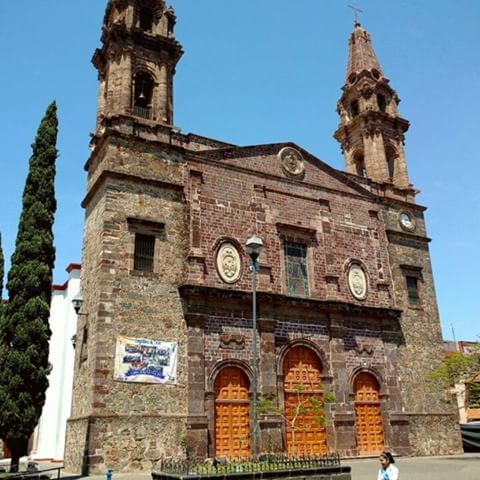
column 145, row 361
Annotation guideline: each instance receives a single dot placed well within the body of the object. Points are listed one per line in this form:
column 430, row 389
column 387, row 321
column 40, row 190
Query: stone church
column 345, row 294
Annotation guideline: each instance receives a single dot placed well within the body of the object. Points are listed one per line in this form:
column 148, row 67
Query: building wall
column 49, row 440
column 122, row 425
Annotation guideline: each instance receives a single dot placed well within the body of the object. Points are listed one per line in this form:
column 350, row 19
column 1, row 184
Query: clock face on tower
column 406, row 221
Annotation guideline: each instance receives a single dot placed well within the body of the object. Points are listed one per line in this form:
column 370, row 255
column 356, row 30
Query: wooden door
column 368, row 417
column 232, row 414
column 303, row 380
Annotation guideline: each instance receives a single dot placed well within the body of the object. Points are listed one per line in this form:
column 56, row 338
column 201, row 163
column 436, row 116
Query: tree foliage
column 2, row 273
column 460, row 368
column 24, row 329
column 304, row 404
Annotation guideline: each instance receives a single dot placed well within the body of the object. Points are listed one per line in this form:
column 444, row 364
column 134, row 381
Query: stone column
column 270, row 424
column 197, row 423
column 375, row 159
column 162, row 97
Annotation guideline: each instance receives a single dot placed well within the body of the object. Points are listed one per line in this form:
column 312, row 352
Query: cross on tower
column 356, row 9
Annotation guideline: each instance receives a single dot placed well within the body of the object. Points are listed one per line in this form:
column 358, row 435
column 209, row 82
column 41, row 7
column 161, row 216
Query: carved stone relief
column 292, row 161
column 357, row 281
column 229, row 265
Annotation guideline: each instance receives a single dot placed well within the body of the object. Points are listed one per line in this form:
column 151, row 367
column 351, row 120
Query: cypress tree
column 24, row 329
column 2, row 273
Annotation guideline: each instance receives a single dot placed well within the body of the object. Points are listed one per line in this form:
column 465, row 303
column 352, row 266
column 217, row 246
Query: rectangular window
column 84, row 347
column 144, row 252
column 296, row 269
column 412, row 289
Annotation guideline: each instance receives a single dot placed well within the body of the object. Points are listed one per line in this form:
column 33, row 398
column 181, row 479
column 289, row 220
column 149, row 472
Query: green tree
column 24, row 329
column 2, row 273
column 304, row 404
column 460, row 368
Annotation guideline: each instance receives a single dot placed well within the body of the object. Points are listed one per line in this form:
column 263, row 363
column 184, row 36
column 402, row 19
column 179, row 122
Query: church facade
column 345, row 293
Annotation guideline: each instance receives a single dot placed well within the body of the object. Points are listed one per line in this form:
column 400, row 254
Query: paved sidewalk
column 460, row 467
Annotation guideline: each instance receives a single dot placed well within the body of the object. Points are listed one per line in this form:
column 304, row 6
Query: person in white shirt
column 388, row 471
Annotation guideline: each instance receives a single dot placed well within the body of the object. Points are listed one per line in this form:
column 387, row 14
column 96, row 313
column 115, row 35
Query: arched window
column 359, row 161
column 390, row 155
column 146, row 18
column 354, row 108
column 142, row 104
column 382, row 102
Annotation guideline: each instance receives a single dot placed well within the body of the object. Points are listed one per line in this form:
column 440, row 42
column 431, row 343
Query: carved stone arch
column 391, row 155
column 144, row 69
column 358, row 161
column 304, row 342
column 225, row 239
column 230, row 362
column 374, row 373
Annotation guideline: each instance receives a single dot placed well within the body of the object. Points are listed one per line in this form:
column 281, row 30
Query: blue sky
column 257, row 72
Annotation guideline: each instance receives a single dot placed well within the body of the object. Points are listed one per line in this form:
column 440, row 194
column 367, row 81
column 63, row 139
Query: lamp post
column 77, row 303
column 254, row 246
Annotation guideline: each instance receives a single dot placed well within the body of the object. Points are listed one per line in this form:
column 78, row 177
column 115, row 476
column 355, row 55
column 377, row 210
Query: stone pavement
column 459, row 467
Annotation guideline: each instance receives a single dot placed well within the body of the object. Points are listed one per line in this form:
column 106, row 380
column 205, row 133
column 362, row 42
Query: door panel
column 232, row 414
column 368, row 415
column 303, row 380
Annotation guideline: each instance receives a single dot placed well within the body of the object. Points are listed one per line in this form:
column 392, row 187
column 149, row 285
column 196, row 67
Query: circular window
column 376, row 74
column 357, row 281
column 352, row 78
column 229, row 264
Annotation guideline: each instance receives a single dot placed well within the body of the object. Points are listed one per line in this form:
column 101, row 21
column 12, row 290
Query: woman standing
column 388, row 471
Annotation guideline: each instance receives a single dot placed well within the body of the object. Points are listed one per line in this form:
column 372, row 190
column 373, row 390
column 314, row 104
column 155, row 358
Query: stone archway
column 302, row 371
column 368, row 415
column 232, row 413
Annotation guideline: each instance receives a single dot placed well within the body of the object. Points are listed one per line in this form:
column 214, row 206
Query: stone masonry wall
column 422, row 348
column 124, row 302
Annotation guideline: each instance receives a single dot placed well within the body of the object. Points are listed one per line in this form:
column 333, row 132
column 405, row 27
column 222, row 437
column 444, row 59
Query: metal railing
column 264, row 463
column 143, row 112
column 33, row 474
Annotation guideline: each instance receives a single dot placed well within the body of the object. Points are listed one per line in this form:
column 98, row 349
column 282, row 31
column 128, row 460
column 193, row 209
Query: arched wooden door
column 368, row 416
column 303, row 380
column 232, row 414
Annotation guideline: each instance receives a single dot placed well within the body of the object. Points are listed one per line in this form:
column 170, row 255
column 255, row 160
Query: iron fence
column 263, row 463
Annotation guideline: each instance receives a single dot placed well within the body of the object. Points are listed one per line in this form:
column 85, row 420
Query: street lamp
column 77, row 303
column 254, row 246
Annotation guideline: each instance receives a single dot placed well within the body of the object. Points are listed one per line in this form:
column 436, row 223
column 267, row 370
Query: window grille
column 144, row 252
column 296, row 269
column 412, row 289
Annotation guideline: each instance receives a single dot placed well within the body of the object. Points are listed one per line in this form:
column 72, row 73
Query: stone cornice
column 392, row 234
column 291, row 304
column 112, row 175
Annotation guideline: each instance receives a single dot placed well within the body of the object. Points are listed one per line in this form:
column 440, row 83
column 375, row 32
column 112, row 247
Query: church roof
column 361, row 55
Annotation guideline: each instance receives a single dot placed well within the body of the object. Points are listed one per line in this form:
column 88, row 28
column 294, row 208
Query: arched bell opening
column 143, row 95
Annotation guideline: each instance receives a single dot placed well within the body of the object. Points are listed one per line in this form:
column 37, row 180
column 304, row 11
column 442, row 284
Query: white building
column 49, row 440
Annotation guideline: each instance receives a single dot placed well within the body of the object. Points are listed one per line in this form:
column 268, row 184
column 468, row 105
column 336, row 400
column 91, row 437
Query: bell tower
column 371, row 131
column 137, row 61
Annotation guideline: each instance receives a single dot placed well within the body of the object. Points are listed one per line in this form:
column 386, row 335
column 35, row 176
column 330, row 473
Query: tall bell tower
column 371, row 131
column 137, row 61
